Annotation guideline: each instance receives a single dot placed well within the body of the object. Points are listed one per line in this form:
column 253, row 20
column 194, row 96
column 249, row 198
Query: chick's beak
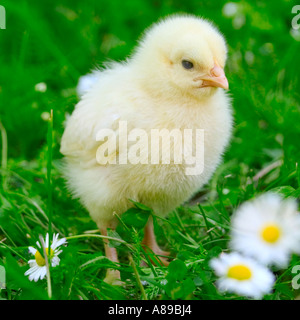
column 216, row 78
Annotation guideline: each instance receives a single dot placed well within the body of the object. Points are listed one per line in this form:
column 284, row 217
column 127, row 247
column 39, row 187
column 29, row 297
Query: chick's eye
column 187, row 64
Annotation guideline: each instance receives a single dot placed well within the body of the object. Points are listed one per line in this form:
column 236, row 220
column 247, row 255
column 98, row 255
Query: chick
column 173, row 80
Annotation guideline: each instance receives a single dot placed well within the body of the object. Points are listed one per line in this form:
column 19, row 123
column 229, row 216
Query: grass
column 55, row 42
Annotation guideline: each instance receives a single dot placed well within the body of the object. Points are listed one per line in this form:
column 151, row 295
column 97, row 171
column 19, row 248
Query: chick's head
column 182, row 54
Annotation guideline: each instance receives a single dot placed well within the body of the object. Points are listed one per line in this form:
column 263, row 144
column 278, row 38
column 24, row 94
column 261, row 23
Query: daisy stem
column 49, row 182
column 47, row 258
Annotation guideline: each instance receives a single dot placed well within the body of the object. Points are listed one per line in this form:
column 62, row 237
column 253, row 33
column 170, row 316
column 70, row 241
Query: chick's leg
column 112, row 276
column 149, row 241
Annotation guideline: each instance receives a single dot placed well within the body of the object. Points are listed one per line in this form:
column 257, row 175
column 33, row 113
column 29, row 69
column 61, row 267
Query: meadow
column 45, row 48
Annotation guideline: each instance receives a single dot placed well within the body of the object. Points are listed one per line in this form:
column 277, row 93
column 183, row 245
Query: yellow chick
column 174, row 80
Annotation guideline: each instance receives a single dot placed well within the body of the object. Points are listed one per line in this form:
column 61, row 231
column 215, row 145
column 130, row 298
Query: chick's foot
column 113, row 276
column 149, row 242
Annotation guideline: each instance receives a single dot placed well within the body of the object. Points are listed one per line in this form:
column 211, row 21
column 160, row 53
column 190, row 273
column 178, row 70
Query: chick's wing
column 91, row 137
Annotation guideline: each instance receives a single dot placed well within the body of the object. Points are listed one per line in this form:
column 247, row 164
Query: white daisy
column 41, row 87
column 242, row 275
column 37, row 265
column 267, row 229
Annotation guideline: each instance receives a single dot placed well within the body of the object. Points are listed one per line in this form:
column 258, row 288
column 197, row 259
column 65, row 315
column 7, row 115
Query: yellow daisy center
column 271, row 233
column 40, row 259
column 239, row 272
